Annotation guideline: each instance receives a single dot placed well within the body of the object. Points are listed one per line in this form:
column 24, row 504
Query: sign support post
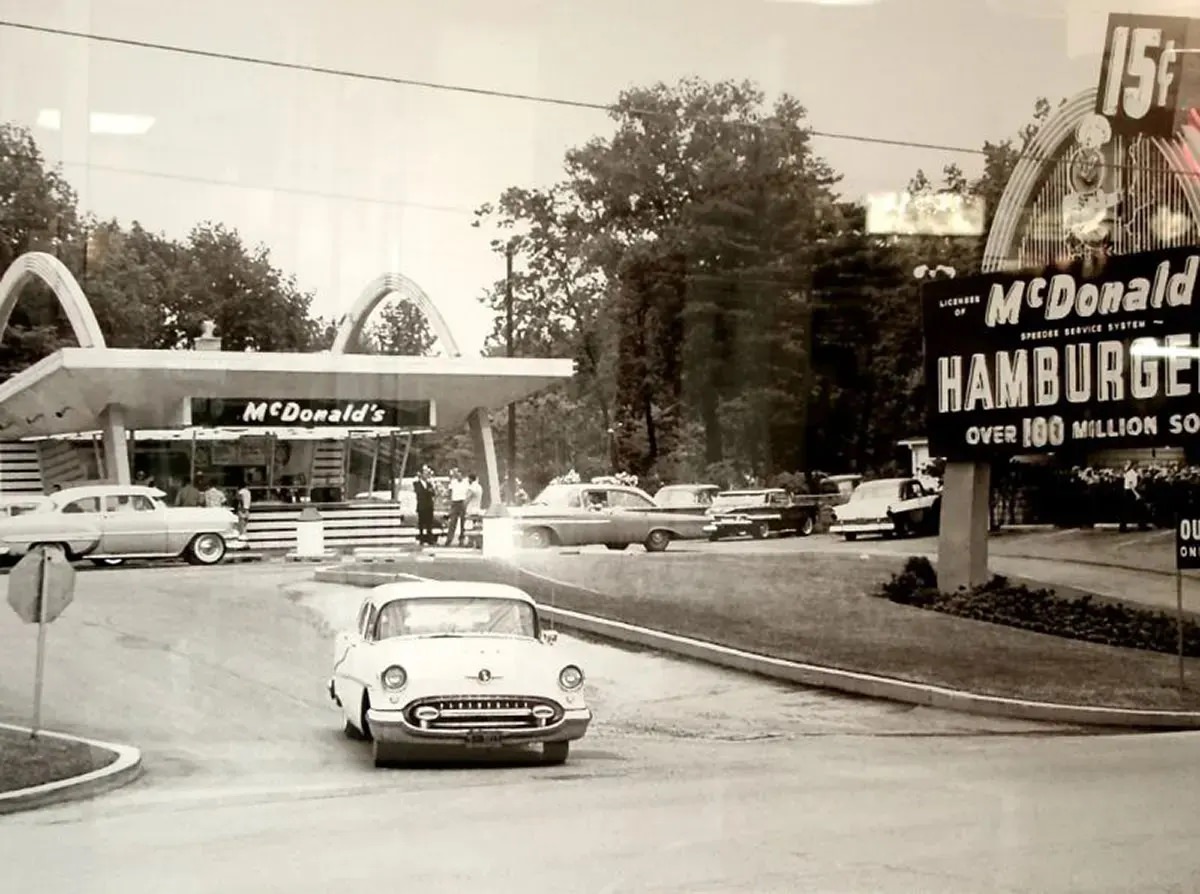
column 1179, row 620
column 40, row 674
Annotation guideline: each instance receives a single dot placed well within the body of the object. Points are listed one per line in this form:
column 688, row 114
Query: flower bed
column 1043, row 611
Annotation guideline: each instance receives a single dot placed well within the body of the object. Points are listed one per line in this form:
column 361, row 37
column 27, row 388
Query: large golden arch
column 50, row 270
column 350, row 328
column 351, row 325
column 1026, row 230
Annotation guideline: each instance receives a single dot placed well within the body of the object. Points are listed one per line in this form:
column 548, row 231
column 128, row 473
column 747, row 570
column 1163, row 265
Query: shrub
column 999, row 601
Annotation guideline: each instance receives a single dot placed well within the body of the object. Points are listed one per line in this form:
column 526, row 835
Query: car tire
column 760, row 530
column 107, row 563
column 850, row 538
column 352, row 732
column 555, row 752
column 713, row 538
column 657, row 541
column 206, row 549
column 617, row 547
column 807, row 526
column 538, row 538
column 382, row 755
column 66, row 550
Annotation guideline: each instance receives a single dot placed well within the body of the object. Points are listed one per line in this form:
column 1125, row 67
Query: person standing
column 459, row 491
column 1133, row 506
column 213, row 498
column 244, row 499
column 189, row 495
column 474, row 502
column 424, row 489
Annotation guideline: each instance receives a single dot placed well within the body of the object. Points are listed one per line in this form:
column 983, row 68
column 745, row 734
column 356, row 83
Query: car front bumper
column 738, row 525
column 391, row 728
column 885, row 527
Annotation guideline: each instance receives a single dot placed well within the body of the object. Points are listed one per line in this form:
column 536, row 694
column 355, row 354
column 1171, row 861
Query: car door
column 632, row 516
column 132, row 524
column 592, row 522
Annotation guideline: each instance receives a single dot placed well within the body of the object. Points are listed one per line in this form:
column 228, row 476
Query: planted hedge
column 1042, row 611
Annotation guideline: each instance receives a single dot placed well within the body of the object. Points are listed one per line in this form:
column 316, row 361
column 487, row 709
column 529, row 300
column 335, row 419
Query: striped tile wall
column 346, row 525
column 20, row 468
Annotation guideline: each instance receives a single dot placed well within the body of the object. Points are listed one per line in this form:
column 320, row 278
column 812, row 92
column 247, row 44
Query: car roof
column 689, row 487
column 884, row 481
column 446, row 589
column 757, row 490
column 104, row 490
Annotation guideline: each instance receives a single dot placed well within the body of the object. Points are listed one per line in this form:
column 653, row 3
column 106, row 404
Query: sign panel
column 1187, row 543
column 288, row 413
column 25, row 586
column 1019, row 364
column 1145, row 85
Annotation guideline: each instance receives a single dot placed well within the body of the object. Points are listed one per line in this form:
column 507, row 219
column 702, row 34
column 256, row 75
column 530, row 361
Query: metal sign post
column 40, row 674
column 1187, row 556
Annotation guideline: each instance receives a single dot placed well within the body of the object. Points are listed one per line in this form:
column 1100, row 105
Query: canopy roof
column 67, row 391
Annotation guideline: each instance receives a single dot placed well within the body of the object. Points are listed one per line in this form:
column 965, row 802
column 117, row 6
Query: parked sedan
column 760, row 513
column 615, row 515
column 891, row 507
column 109, row 523
column 455, row 663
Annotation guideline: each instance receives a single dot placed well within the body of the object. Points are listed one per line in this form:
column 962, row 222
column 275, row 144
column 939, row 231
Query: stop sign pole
column 40, row 676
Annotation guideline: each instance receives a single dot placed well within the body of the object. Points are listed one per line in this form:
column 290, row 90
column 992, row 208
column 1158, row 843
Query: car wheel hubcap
column 208, row 548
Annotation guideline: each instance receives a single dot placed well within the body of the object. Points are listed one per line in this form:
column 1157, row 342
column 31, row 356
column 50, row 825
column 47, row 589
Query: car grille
column 465, row 712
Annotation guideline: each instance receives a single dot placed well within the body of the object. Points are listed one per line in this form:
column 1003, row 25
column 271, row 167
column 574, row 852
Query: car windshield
column 683, row 496
column 875, row 490
column 465, row 616
column 561, row 496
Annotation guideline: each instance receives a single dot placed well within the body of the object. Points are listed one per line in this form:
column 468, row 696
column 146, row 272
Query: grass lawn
column 816, row 608
column 25, row 762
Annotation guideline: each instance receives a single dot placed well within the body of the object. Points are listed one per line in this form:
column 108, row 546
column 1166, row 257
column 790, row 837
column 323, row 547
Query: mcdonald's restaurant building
column 296, row 428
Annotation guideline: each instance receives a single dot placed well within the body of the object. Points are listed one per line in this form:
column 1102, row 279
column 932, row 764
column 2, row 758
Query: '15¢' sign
column 1146, row 83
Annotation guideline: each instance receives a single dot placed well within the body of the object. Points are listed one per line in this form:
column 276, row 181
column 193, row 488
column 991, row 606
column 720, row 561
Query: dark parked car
column 760, row 513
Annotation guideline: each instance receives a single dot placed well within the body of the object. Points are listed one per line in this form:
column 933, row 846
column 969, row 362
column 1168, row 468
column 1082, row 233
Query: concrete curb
column 126, row 767
column 853, row 682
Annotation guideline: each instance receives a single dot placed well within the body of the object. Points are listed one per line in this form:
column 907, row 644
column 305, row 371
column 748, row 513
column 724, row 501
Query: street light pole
column 512, row 407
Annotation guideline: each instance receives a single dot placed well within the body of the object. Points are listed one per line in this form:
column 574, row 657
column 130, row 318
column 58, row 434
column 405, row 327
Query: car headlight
column 570, row 678
column 394, row 677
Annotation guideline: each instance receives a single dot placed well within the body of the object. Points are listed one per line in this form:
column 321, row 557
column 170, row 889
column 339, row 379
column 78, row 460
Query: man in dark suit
column 425, row 491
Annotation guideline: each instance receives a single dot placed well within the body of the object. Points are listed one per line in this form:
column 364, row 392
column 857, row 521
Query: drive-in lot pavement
column 692, row 779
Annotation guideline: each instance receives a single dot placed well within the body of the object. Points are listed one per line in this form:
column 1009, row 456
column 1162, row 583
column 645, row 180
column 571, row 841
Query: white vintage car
column 455, row 663
column 109, row 523
column 890, row 506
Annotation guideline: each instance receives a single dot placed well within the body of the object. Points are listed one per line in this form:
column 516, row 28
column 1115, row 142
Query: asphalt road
column 692, row 779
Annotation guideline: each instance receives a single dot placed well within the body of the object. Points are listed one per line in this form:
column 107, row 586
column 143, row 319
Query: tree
column 399, row 327
column 674, row 262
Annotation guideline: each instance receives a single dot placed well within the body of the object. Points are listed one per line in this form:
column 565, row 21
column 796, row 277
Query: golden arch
column 51, row 271
column 1029, row 173
column 351, row 325
column 350, row 328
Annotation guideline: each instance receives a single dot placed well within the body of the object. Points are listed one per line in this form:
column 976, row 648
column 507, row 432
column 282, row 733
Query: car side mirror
column 549, row 637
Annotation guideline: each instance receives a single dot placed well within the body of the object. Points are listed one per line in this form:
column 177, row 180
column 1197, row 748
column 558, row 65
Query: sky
column 345, row 179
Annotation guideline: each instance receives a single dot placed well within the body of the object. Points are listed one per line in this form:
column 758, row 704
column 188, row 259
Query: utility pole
column 512, row 407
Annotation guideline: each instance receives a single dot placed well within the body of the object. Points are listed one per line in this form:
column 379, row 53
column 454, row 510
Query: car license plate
column 483, row 738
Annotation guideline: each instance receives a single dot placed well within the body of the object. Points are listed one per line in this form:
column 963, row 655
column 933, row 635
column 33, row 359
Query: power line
column 609, row 108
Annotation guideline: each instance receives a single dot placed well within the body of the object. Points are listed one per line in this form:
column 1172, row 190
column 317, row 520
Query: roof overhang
column 69, row 390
